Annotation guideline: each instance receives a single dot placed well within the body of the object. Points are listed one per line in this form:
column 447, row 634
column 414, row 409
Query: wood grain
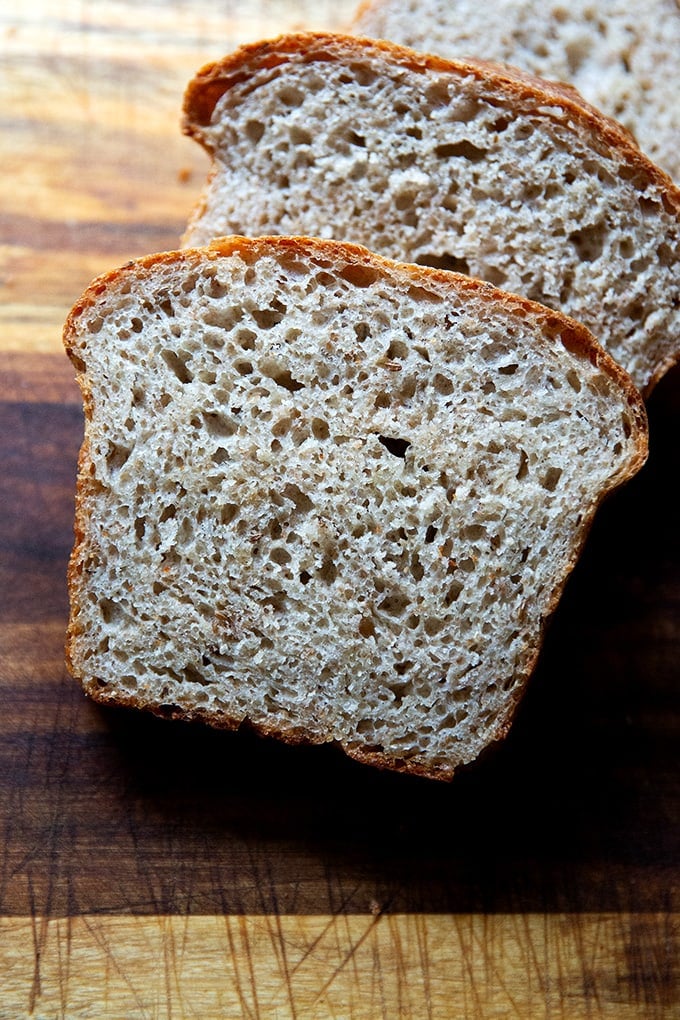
column 156, row 869
column 603, row 967
column 100, row 172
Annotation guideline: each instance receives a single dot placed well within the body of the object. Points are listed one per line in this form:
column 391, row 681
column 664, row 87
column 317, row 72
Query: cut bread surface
column 622, row 56
column 461, row 165
column 331, row 495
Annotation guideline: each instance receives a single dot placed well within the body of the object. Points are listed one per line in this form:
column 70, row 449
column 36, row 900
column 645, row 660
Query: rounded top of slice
column 536, row 96
column 362, row 268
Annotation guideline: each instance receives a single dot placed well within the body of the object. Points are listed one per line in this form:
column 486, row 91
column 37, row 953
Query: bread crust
column 216, row 79
column 575, row 337
column 573, row 334
column 621, row 56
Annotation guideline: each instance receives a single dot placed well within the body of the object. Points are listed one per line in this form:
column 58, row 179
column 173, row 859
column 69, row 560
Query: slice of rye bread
column 331, row 495
column 458, row 165
column 623, row 57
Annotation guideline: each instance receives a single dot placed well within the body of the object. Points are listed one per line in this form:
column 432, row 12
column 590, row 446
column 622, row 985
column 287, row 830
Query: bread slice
column 453, row 164
column 622, row 56
column 331, row 495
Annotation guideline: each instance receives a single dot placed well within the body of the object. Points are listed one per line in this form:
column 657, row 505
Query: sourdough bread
column 460, row 165
column 623, row 57
column 331, row 495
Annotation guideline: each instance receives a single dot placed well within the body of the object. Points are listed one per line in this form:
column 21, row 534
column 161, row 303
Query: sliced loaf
column 624, row 57
column 459, row 165
column 331, row 495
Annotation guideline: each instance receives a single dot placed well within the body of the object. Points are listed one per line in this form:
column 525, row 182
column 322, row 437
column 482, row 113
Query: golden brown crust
column 215, row 79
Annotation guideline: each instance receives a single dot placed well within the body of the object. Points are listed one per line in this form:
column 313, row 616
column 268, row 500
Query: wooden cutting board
column 153, row 869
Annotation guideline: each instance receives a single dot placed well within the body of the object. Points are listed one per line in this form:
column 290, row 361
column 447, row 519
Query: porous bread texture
column 457, row 165
column 330, row 495
column 622, row 56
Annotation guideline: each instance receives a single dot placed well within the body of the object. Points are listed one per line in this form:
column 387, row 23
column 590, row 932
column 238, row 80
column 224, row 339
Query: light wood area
column 90, row 142
column 364, row 967
column 156, row 870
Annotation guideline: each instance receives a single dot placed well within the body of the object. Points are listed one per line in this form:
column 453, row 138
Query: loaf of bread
column 329, row 495
column 457, row 165
column 623, row 57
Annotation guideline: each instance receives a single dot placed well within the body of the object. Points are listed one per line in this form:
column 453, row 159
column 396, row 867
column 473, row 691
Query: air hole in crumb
column 394, row 604
column 117, row 456
column 299, row 135
column 217, row 425
column 416, row 567
column 246, row 338
column 437, row 94
column 359, row 275
column 551, row 478
column 328, row 570
column 397, row 447
column 464, row 149
column 302, row 502
column 220, row 456
column 111, row 612
column 442, row 384
column 430, row 534
column 289, row 95
column 320, row 428
column 452, row 263
column 168, row 513
column 305, row 577
column 140, row 527
column 648, row 206
column 589, row 241
column 177, row 363
column 403, row 667
column 397, row 349
column 267, row 318
column 408, row 387
column 279, row 555
column 356, row 139
column 192, row 675
column 281, row 376
column 228, row 512
column 523, row 469
column 254, row 130
column 454, row 590
column 366, row 627
column 277, row 602
column 574, row 381
column 508, row 369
